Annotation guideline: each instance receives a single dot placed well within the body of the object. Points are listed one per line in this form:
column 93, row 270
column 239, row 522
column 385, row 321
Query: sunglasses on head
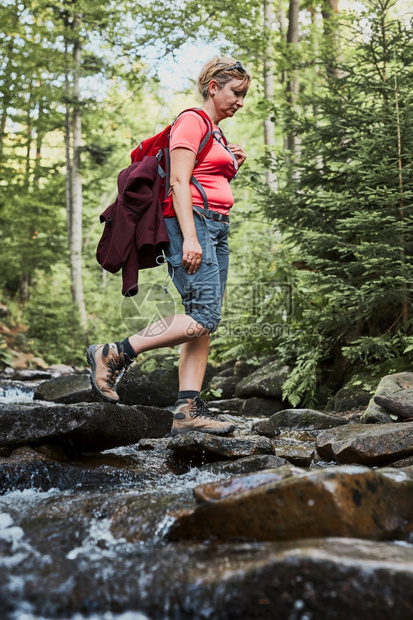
column 238, row 66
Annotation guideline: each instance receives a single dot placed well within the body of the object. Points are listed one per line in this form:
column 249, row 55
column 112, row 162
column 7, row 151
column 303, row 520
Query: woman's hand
column 191, row 255
column 239, row 153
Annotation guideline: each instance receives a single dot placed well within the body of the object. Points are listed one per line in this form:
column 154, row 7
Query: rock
column 402, row 405
column 51, row 451
column 67, row 389
column 343, row 501
column 392, row 386
column 228, row 447
column 299, row 580
column 227, row 372
column 61, row 369
column 29, row 468
column 32, row 375
column 155, row 382
column 247, row 465
column 227, row 365
column 232, row 406
column 78, row 428
column 265, row 382
column 157, row 388
column 408, row 462
column 233, row 487
column 158, row 421
column 224, row 386
column 350, row 397
column 296, row 419
column 255, row 407
column 298, row 453
column 366, row 444
column 243, row 368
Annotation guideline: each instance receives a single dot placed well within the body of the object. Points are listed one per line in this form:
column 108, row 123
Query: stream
column 101, row 551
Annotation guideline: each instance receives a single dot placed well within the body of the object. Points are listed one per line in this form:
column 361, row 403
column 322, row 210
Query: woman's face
column 229, row 98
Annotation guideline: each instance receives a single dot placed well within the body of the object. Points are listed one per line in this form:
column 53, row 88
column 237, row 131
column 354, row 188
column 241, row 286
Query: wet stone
column 67, row 389
column 78, row 428
column 347, row 501
column 298, row 453
column 247, row 464
column 297, row 419
column 27, row 468
column 330, row 578
column 228, row 447
column 366, row 444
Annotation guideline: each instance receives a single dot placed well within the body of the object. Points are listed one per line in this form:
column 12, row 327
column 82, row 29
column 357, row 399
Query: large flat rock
column 67, row 389
column 227, row 447
column 304, row 419
column 79, row 428
column 366, row 443
column 272, row 505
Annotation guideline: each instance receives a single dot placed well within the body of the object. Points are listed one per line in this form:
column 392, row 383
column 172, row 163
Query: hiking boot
column 108, row 362
column 192, row 414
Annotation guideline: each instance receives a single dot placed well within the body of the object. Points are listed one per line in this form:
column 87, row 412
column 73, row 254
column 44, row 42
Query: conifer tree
column 348, row 208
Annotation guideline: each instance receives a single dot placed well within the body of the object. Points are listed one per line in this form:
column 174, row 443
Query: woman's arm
column 182, row 167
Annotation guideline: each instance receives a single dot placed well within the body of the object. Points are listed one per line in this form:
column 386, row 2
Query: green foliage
column 346, row 206
column 5, row 357
column 54, row 329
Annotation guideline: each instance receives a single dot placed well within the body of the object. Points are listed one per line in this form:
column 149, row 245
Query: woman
column 198, row 252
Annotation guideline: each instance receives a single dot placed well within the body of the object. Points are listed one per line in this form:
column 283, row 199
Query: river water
column 99, row 553
column 88, row 539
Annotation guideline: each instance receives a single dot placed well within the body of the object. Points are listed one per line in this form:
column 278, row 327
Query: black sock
column 188, row 394
column 128, row 350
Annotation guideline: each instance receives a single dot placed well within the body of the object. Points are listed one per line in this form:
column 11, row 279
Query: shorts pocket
column 175, row 260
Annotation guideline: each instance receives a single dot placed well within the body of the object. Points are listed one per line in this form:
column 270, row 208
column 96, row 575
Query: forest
column 321, row 231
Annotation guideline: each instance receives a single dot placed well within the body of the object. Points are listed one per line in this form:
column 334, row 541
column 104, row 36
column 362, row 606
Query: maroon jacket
column 135, row 232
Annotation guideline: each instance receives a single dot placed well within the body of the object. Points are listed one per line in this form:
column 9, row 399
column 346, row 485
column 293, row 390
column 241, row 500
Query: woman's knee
column 206, row 320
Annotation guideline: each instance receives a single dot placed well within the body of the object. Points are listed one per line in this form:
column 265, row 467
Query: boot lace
column 115, row 367
column 199, row 409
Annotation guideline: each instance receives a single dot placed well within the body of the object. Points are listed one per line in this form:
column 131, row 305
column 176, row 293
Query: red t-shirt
column 214, row 172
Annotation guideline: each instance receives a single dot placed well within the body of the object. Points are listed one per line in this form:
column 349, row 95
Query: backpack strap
column 219, row 137
column 204, row 147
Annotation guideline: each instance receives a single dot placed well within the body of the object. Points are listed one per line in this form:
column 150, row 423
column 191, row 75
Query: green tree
column 348, row 210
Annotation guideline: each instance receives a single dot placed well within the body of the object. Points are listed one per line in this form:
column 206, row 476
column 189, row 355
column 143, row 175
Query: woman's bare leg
column 167, row 332
column 192, row 363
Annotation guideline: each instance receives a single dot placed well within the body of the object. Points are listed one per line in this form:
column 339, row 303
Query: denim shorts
column 202, row 292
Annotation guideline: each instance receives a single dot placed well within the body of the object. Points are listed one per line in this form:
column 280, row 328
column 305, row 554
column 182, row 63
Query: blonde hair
column 217, row 69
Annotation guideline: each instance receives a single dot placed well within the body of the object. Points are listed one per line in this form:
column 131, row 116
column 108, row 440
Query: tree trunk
column 68, row 142
column 76, row 184
column 7, row 90
column 291, row 141
column 329, row 11
column 269, row 125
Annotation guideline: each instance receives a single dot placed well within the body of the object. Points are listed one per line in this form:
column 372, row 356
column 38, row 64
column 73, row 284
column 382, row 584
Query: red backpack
column 159, row 146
